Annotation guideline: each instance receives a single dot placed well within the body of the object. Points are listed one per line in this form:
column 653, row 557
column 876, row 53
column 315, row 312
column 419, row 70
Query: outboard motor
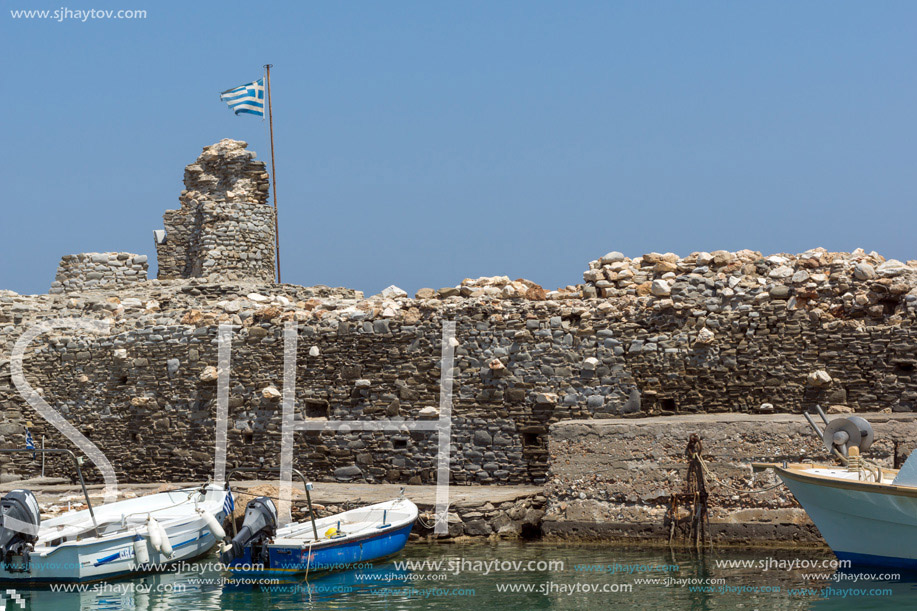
column 21, row 518
column 259, row 525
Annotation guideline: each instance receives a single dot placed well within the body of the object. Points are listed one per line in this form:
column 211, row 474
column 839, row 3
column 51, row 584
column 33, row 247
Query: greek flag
column 228, row 504
column 29, row 444
column 246, row 98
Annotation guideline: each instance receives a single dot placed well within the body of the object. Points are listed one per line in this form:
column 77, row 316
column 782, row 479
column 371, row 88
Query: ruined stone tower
column 224, row 228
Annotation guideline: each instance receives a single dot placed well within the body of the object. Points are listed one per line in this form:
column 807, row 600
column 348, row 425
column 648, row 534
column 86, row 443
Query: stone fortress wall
column 146, row 392
column 654, row 336
column 90, row 270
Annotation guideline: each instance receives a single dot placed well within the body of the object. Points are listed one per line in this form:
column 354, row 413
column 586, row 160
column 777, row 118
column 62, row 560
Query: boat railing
column 79, row 472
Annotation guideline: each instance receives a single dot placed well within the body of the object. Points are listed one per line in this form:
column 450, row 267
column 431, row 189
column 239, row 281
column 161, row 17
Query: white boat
column 866, row 513
column 139, row 535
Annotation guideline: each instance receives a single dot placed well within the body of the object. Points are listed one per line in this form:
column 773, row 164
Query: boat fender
column 331, row 532
column 141, row 555
column 166, row 544
column 152, row 527
column 212, row 524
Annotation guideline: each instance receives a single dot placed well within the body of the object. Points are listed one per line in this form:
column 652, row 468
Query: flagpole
column 270, row 120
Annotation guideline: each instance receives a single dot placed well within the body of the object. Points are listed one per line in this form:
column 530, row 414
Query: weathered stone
column 818, row 379
column 428, row 413
column 779, row 291
column 705, row 337
column 393, row 292
column 864, row 271
column 347, row 474
column 482, row 438
column 660, row 288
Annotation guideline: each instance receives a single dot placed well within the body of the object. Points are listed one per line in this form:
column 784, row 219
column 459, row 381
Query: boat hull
column 299, row 559
column 373, row 532
column 865, row 523
column 113, row 555
column 110, row 559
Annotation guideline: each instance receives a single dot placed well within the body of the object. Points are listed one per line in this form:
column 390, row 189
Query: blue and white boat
column 135, row 536
column 866, row 513
column 334, row 542
column 141, row 535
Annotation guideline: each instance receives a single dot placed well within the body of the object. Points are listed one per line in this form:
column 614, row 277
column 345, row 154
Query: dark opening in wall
column 889, row 305
column 530, row 532
column 122, row 381
column 316, row 408
column 248, row 437
column 668, row 405
column 904, row 368
column 400, row 443
column 531, row 439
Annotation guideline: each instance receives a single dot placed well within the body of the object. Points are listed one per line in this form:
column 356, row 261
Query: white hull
column 865, row 522
column 69, row 551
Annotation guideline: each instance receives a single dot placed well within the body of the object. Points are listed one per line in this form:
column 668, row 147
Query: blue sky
column 419, row 143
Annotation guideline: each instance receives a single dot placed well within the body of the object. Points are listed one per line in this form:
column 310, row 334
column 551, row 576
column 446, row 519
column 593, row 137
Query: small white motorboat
column 139, row 535
column 866, row 513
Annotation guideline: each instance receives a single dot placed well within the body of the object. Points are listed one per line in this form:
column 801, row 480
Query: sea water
column 521, row 576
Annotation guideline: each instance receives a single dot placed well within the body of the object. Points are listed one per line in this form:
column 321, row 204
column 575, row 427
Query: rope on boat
column 428, row 525
column 309, row 560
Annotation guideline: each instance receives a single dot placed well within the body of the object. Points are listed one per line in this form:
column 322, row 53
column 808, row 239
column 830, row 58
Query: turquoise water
column 514, row 576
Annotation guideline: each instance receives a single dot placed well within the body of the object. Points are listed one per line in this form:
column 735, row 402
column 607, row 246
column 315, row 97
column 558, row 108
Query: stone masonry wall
column 613, row 479
column 146, row 392
column 91, row 270
column 224, row 227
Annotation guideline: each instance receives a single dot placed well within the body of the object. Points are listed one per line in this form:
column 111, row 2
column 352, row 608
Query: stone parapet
column 92, row 270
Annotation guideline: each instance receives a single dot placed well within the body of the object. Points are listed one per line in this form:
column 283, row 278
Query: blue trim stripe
column 117, row 555
column 189, row 541
column 107, row 559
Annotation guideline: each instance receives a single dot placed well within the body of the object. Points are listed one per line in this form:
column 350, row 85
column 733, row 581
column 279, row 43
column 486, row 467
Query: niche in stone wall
column 903, row 367
column 316, row 408
column 533, row 436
